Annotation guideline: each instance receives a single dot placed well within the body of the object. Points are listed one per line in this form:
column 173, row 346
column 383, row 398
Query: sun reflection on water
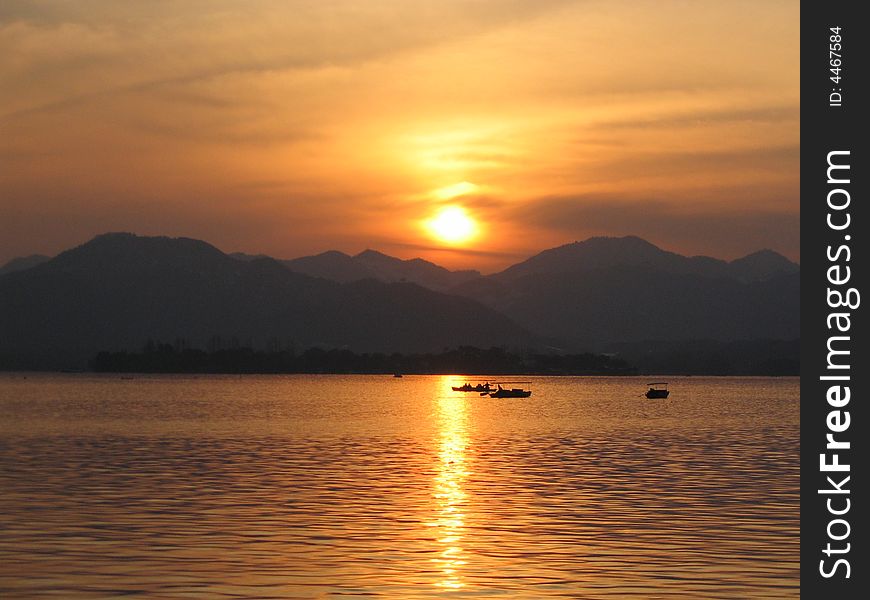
column 448, row 491
column 356, row 486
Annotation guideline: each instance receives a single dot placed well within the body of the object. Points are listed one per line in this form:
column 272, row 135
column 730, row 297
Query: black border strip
column 828, row 126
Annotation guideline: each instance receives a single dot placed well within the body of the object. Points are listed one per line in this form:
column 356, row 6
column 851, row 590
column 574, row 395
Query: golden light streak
column 448, row 488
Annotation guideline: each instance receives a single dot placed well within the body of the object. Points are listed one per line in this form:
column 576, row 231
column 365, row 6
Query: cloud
column 171, row 44
column 701, row 118
column 464, row 252
column 727, row 162
column 329, row 123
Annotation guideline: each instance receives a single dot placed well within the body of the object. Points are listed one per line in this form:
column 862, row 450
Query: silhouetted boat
column 467, row 387
column 657, row 390
column 501, row 392
column 397, row 374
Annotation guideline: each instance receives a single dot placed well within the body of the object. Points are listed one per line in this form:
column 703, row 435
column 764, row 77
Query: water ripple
column 312, row 487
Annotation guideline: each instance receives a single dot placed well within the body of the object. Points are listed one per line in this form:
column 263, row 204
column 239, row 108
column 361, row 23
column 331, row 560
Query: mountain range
column 632, row 251
column 609, row 290
column 23, row 262
column 119, row 290
column 371, row 264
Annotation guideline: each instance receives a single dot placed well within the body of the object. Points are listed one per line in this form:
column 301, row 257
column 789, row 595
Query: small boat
column 397, row 374
column 501, row 392
column 657, row 390
column 467, row 387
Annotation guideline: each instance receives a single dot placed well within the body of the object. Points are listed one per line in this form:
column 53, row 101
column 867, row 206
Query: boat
column 467, row 387
column 502, row 392
column 397, row 374
column 657, row 390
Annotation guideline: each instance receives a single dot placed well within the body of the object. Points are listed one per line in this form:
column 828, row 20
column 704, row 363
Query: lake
column 322, row 486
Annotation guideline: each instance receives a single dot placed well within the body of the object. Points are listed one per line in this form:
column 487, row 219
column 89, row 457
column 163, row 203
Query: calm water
column 351, row 486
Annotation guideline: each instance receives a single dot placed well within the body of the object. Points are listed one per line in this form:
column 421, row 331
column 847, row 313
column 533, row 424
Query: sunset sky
column 295, row 127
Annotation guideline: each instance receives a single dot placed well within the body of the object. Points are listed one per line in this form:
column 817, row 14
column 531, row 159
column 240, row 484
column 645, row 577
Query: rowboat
column 514, row 392
column 657, row 390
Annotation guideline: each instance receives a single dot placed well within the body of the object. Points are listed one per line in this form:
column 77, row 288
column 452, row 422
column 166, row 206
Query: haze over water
column 335, row 486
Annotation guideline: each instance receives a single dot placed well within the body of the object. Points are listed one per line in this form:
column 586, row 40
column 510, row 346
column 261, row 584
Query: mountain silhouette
column 603, row 294
column 607, row 290
column 761, row 265
column 632, row 251
column 120, row 290
column 371, row 264
column 332, row 265
column 23, row 262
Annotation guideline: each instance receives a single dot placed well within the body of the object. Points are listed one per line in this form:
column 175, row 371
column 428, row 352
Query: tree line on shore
column 179, row 358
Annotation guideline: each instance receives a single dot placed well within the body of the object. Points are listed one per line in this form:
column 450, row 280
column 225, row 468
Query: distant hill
column 603, row 294
column 120, row 290
column 607, row 290
column 762, row 265
column 332, row 265
column 631, row 251
column 370, row 264
column 23, row 262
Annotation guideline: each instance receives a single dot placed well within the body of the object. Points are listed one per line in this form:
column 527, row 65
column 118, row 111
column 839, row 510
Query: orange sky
column 290, row 128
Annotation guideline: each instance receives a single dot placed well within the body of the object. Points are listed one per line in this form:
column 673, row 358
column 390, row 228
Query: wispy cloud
column 314, row 124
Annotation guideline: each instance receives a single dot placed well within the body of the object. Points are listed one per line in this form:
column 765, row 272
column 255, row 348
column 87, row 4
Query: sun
column 452, row 225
